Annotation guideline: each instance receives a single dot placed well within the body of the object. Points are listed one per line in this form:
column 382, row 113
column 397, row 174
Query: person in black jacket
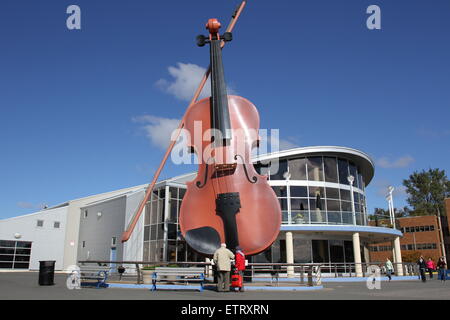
column 422, row 267
column 442, row 266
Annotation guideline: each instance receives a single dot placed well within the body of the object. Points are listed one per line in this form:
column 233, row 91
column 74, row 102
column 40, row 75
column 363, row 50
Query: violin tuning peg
column 201, row 40
column 227, row 36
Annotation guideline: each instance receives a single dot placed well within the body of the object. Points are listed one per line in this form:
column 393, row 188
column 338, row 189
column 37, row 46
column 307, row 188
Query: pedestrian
column 240, row 265
column 442, row 266
column 422, row 267
column 389, row 268
column 431, row 266
column 222, row 258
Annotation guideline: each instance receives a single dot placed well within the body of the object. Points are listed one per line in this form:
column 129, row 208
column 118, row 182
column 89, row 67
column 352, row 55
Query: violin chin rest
column 205, row 240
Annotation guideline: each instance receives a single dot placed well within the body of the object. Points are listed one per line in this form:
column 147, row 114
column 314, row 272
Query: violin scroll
column 213, row 26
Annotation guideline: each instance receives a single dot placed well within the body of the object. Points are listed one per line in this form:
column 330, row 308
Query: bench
column 178, row 275
column 94, row 276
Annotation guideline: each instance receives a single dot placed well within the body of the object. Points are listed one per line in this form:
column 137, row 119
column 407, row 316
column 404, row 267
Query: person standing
column 431, row 267
column 422, row 267
column 442, row 266
column 222, row 258
column 389, row 268
column 240, row 265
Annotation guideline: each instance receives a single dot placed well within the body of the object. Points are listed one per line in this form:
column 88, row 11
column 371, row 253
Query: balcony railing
column 324, row 217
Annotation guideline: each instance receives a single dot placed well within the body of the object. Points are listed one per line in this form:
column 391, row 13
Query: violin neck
column 220, row 116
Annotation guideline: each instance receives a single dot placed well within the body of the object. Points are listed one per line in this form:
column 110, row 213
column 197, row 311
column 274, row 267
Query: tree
column 426, row 191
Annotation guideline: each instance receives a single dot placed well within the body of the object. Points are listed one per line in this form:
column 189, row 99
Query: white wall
column 47, row 241
column 132, row 249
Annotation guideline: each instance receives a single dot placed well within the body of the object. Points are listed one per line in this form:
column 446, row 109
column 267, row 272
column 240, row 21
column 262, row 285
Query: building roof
column 361, row 159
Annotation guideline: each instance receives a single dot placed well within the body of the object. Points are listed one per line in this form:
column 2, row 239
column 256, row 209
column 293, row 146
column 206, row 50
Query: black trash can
column 46, row 273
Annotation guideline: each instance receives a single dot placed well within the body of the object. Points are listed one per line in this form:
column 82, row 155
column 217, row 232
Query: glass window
column 173, row 210
column 153, row 232
column 6, row 250
column 181, row 193
column 283, row 203
column 6, row 258
column 332, row 193
column 336, row 250
column 160, row 235
column 277, row 172
column 313, row 191
column 22, row 258
column 330, row 166
column 314, row 204
column 6, row 243
column 299, row 204
column 345, row 195
column 431, row 228
column 146, row 233
column 348, row 249
column 343, row 171
column 171, row 251
column 320, row 251
column 297, row 169
column 154, row 212
column 346, row 206
column 146, row 254
column 40, row 223
column 172, row 231
column 422, row 228
column 315, row 169
column 302, row 251
column 280, row 191
column 173, row 192
column 7, row 265
column 426, row 228
column 181, row 251
column 360, row 181
column 354, row 173
column 298, row 192
column 147, row 213
column 333, row 205
column 23, row 244
column 56, row 224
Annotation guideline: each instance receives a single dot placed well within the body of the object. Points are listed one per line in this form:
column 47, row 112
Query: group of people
column 424, row 266
column 223, row 259
column 430, row 266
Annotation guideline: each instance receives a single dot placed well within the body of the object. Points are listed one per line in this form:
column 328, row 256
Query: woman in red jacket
column 240, row 264
column 431, row 266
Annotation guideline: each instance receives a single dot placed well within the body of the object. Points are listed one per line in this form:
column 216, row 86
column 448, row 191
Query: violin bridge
column 222, row 170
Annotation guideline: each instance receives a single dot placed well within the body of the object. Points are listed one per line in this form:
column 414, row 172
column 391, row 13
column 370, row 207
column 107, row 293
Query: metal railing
column 324, row 217
column 307, row 273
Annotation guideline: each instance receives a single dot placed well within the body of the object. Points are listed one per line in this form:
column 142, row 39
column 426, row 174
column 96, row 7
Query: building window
column 113, row 241
column 56, row 224
column 84, row 244
column 40, row 223
column 85, row 213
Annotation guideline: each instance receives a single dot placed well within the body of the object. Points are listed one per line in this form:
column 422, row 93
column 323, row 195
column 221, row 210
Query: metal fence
column 306, row 273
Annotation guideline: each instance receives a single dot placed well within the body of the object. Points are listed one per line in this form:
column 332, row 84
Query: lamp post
column 390, row 201
column 351, row 179
column 287, row 176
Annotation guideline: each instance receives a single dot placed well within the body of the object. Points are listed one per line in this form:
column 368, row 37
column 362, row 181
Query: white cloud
column 401, row 162
column 186, row 78
column 158, row 130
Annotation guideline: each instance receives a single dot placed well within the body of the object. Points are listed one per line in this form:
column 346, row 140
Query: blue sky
column 83, row 111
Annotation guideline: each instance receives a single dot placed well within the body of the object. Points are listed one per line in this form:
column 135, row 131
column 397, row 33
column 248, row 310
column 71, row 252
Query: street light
column 287, row 176
column 390, row 201
column 351, row 179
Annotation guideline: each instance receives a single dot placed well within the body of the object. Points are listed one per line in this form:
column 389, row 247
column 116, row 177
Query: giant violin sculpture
column 228, row 201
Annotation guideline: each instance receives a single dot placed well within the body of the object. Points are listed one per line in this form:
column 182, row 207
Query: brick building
column 421, row 236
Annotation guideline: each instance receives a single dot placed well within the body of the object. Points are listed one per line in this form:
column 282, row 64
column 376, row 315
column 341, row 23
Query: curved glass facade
column 318, row 190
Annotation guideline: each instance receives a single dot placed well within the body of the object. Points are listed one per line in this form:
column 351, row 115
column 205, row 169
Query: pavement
column 24, row 286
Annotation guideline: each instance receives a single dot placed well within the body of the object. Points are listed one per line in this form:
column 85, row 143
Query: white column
column 357, row 254
column 290, row 253
column 398, row 256
column 366, row 254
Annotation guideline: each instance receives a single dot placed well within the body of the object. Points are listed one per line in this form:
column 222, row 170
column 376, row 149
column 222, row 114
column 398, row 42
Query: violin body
column 259, row 217
column 228, row 202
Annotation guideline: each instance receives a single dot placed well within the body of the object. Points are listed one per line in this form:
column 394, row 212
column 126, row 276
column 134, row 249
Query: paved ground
column 24, row 285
